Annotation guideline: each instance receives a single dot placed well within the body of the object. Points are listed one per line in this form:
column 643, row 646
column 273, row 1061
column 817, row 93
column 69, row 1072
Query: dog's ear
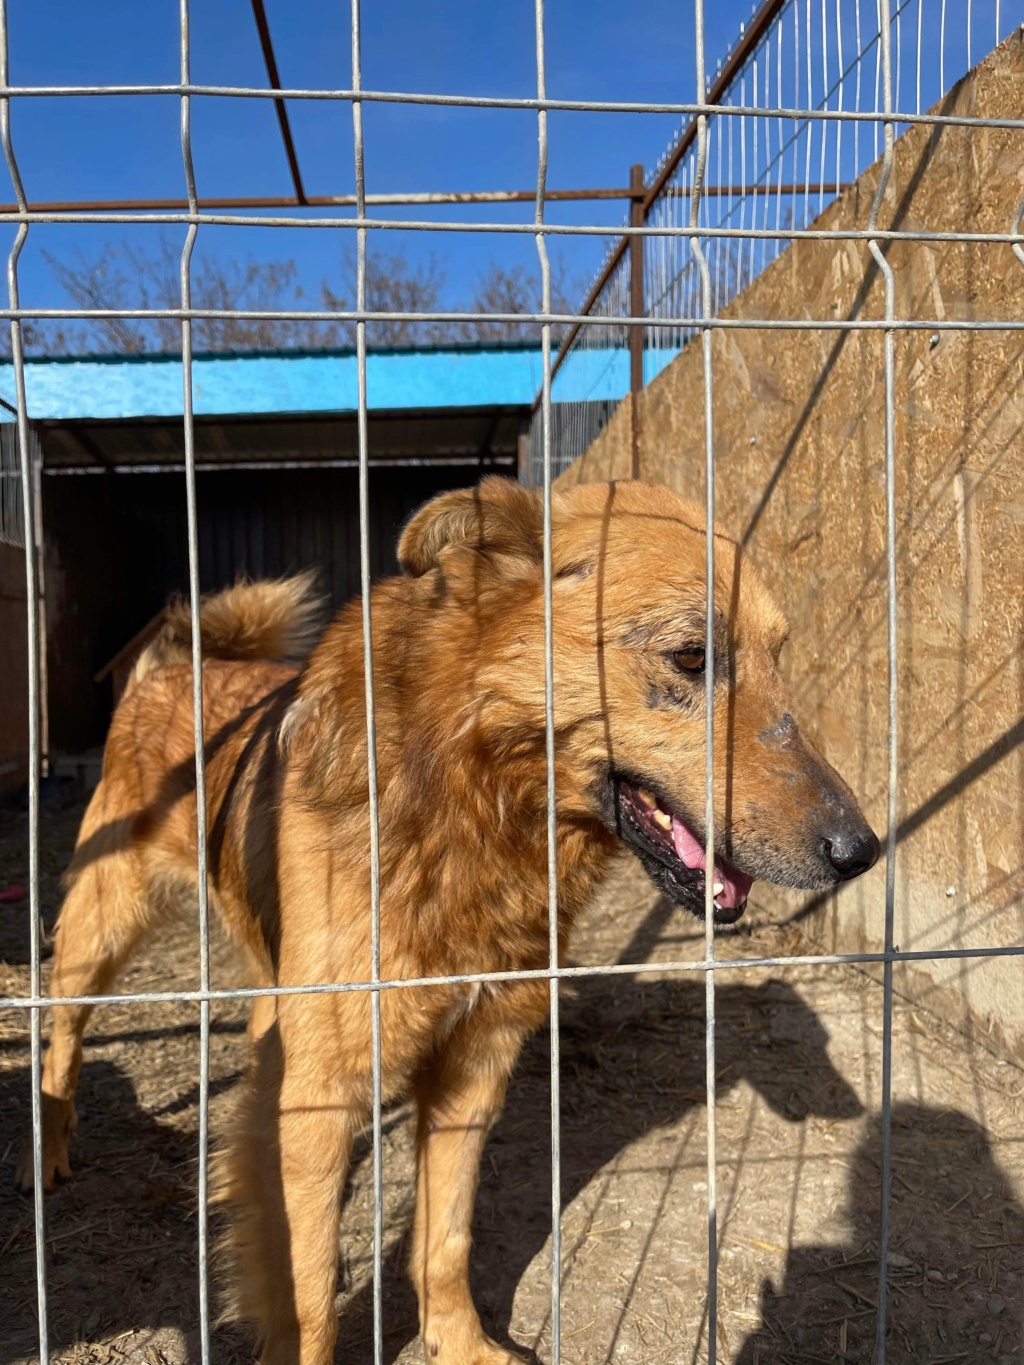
column 497, row 517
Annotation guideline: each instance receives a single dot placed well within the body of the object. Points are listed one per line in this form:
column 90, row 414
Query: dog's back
column 254, row 637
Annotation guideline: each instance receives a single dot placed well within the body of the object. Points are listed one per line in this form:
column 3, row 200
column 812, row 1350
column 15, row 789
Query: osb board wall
column 13, row 669
column 799, row 443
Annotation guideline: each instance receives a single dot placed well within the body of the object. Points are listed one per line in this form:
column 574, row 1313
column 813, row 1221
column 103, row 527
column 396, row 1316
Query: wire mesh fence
column 820, row 92
column 763, row 176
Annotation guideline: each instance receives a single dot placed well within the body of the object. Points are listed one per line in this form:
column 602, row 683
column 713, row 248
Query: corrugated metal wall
column 14, row 662
column 116, row 549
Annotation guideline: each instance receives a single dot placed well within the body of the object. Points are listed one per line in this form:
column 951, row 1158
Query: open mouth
column 673, row 854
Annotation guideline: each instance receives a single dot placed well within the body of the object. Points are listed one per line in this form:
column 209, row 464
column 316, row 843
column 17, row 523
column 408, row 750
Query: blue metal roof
column 281, row 382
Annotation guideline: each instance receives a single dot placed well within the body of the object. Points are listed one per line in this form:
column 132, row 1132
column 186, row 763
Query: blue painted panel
column 280, row 383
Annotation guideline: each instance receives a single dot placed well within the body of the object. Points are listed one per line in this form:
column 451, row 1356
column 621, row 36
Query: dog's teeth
column 646, row 798
column 719, row 887
column 662, row 818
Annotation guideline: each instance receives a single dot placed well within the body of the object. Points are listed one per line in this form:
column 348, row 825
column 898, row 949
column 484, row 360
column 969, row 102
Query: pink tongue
column 690, row 850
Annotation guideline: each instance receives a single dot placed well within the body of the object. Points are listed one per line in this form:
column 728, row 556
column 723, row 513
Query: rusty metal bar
column 636, row 282
column 289, row 201
column 636, row 307
column 260, row 15
column 752, row 36
column 325, row 201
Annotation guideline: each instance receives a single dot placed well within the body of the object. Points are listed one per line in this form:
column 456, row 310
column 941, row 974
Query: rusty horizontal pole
column 319, row 201
column 330, row 201
column 753, row 34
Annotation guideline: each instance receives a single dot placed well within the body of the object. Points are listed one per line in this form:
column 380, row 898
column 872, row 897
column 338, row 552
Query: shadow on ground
column 122, row 1232
column 632, row 1061
column 956, row 1263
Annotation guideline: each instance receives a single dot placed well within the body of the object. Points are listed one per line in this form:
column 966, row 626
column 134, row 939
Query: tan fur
column 272, row 619
column 459, row 689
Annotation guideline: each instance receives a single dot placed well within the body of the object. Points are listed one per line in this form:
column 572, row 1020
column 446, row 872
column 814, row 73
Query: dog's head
column 630, row 674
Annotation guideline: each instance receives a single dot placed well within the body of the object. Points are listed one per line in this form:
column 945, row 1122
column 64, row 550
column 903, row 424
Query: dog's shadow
column 632, row 1061
column 122, row 1234
column 955, row 1264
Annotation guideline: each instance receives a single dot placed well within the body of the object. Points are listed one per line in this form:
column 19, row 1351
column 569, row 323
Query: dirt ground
column 799, row 1137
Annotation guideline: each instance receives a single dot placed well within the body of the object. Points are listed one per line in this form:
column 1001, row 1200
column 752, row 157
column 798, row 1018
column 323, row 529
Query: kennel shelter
column 277, row 465
column 813, row 315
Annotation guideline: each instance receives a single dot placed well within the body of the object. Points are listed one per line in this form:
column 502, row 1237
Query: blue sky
column 89, row 148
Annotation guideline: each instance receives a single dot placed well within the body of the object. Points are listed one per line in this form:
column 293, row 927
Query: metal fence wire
column 764, row 179
column 813, row 92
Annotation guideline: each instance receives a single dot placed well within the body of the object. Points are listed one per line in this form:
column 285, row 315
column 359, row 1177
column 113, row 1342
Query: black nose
column 852, row 852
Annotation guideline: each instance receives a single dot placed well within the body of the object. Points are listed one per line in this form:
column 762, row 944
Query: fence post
column 523, row 455
column 636, row 280
column 636, row 306
column 40, row 553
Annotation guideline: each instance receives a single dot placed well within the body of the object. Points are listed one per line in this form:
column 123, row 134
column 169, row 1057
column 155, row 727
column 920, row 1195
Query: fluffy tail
column 274, row 619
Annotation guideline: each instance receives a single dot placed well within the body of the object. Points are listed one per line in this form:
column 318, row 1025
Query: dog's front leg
column 460, row 1094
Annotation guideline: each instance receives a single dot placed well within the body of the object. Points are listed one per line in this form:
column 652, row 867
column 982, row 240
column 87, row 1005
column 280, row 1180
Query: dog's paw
column 493, row 1354
column 58, row 1123
column 453, row 1348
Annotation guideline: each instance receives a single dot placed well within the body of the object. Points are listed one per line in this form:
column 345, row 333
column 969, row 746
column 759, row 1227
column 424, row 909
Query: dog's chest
column 465, row 998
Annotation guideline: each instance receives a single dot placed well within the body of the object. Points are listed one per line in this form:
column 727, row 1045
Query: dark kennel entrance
column 261, row 523
column 115, row 542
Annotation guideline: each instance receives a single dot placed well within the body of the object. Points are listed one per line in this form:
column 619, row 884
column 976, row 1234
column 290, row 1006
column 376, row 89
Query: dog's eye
column 689, row 660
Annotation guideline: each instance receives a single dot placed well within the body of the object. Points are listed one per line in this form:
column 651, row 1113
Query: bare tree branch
column 515, row 290
column 122, row 277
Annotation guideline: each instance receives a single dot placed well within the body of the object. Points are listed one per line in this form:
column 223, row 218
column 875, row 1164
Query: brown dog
column 459, row 685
